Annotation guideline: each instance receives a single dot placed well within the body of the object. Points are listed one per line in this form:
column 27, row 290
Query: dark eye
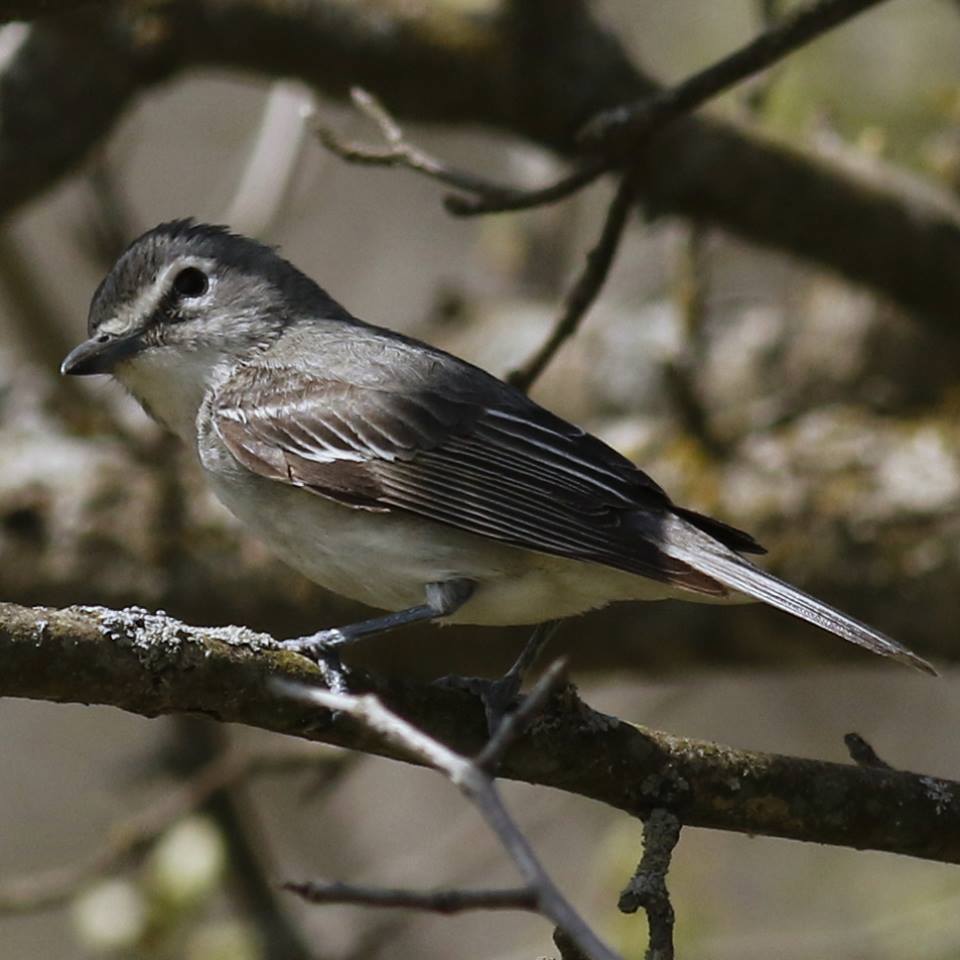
column 191, row 282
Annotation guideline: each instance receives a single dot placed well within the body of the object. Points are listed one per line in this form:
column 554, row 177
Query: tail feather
column 711, row 558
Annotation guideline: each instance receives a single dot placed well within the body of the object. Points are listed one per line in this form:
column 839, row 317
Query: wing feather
column 514, row 473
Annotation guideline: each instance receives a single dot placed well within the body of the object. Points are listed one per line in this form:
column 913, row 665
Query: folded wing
column 510, row 470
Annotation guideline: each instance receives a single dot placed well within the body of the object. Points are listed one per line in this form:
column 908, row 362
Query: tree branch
column 630, row 125
column 648, row 886
column 445, row 900
column 154, row 665
column 72, row 78
column 585, row 290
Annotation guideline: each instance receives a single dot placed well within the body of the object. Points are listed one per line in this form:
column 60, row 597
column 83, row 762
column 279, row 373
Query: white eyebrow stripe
column 132, row 314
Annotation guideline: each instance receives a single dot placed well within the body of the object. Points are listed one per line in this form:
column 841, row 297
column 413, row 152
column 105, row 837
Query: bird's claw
column 499, row 697
column 322, row 648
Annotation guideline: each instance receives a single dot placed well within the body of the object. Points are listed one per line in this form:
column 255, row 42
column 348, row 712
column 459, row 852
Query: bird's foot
column 322, row 648
column 500, row 698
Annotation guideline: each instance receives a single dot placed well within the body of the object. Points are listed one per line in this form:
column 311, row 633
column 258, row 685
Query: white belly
column 385, row 560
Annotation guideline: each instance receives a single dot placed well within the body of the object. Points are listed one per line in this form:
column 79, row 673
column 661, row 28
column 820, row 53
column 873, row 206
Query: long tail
column 712, row 558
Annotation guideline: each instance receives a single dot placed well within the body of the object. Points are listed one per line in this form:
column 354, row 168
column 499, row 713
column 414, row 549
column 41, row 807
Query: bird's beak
column 99, row 354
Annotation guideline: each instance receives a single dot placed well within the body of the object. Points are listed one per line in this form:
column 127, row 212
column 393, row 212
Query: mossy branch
column 150, row 665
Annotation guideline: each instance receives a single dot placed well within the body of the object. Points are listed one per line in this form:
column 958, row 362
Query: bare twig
column 126, row 838
column 478, row 194
column 568, row 949
column 585, row 290
column 515, row 723
column 628, row 125
column 648, row 886
column 513, row 199
column 757, row 96
column 862, row 754
column 447, row 900
column 477, row 786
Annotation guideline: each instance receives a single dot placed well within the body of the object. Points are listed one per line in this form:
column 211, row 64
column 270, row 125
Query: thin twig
column 648, row 886
column 51, row 888
column 757, row 96
column 477, row 786
column 628, row 125
column 513, row 199
column 515, row 724
column 585, row 290
column 477, row 194
column 444, row 900
column 862, row 754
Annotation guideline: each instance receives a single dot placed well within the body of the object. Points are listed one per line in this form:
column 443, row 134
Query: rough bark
column 153, row 665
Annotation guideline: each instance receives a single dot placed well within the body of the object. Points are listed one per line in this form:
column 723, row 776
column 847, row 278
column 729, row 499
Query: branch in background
column 628, row 126
column 758, row 96
column 108, row 223
column 272, row 162
column 70, row 81
column 483, row 195
column 152, row 664
column 32, row 9
column 585, row 290
column 136, row 833
column 691, row 284
column 648, row 886
column 477, row 786
column 447, row 900
column 515, row 200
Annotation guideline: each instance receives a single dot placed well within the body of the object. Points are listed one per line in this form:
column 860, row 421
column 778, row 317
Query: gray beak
column 99, row 354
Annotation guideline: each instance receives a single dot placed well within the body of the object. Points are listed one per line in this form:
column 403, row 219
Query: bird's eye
column 191, row 282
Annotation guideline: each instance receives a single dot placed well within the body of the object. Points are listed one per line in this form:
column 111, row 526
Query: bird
column 391, row 472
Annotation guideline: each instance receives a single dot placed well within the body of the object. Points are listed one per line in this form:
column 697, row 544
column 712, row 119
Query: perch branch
column 151, row 664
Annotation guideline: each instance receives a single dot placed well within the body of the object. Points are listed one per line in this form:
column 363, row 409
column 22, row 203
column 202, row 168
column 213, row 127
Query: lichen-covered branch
column 154, row 665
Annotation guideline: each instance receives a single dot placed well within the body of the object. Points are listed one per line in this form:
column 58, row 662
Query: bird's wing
column 505, row 469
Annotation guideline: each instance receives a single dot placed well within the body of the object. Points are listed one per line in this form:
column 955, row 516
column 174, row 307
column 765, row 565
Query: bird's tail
column 708, row 556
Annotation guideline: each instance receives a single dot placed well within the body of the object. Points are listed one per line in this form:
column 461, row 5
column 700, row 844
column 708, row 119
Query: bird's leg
column 499, row 697
column 443, row 599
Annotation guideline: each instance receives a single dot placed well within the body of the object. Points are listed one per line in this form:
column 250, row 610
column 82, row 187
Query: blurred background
column 753, row 386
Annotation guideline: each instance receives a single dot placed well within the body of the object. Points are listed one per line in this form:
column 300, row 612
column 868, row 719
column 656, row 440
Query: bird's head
column 185, row 290
column 183, row 301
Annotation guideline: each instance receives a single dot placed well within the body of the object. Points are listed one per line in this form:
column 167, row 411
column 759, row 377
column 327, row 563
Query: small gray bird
column 391, row 472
